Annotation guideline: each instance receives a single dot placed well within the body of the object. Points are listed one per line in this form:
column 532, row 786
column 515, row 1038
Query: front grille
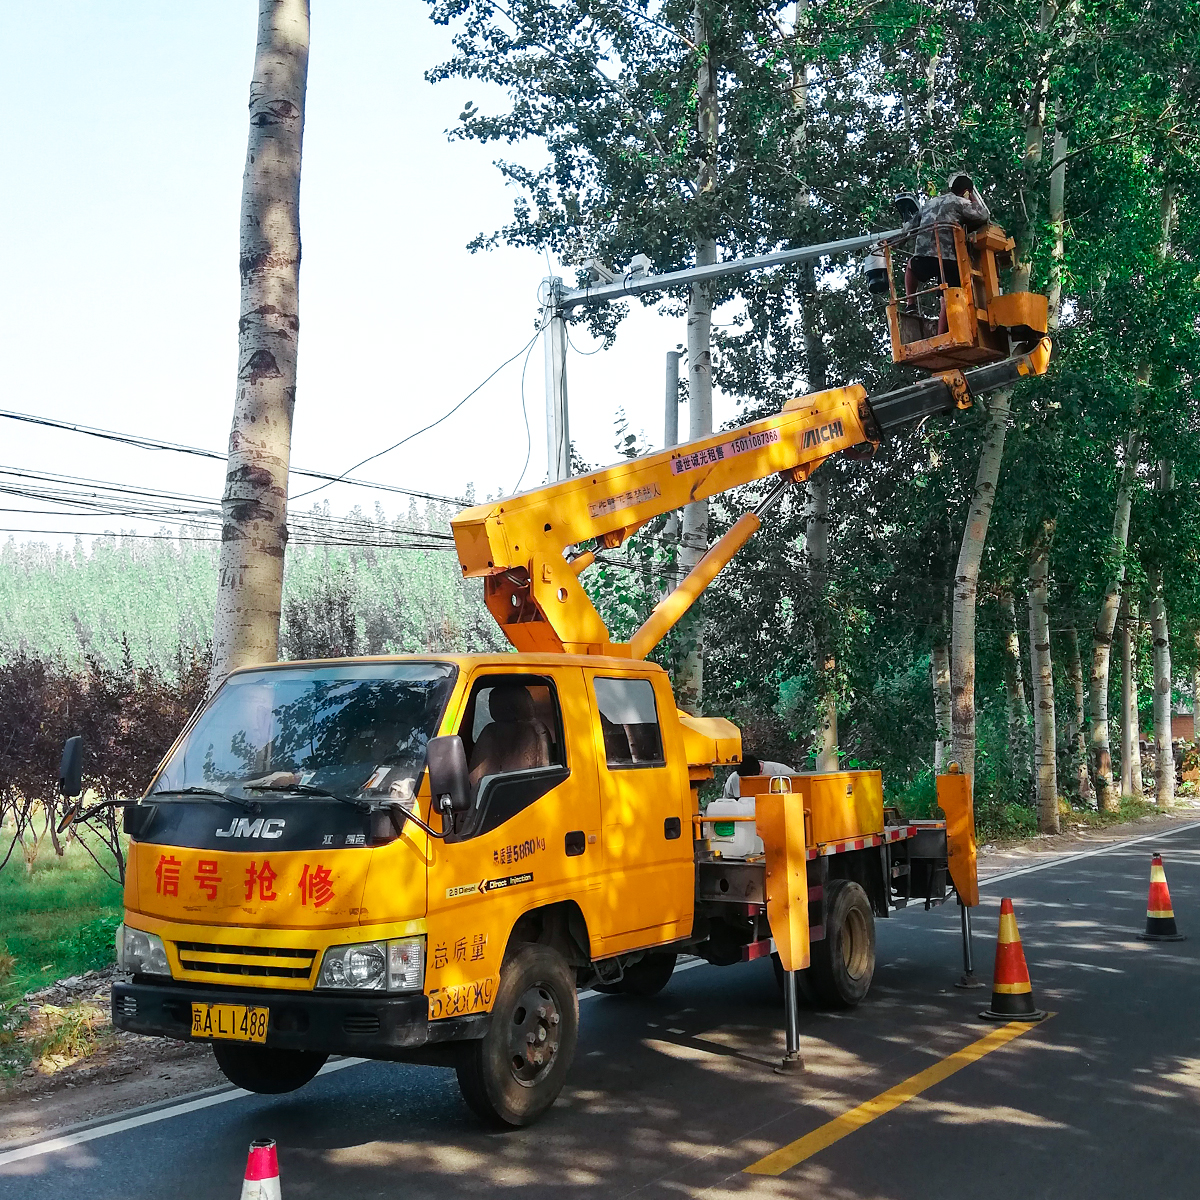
column 264, row 962
column 127, row 1006
column 360, row 1023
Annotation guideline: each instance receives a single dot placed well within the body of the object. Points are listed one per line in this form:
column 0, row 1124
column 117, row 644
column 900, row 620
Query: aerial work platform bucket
column 957, row 317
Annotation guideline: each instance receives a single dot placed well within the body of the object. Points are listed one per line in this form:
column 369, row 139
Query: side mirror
column 449, row 777
column 70, row 769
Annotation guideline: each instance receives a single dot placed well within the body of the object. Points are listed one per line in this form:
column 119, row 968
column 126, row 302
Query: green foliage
column 57, row 921
column 893, row 95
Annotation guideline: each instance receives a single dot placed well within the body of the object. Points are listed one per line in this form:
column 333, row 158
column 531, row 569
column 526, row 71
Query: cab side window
column 512, row 726
column 629, row 722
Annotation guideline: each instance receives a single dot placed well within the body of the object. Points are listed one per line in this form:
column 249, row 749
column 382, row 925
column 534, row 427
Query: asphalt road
column 675, row 1097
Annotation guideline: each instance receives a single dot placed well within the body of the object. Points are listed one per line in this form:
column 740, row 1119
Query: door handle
column 671, row 828
column 575, row 843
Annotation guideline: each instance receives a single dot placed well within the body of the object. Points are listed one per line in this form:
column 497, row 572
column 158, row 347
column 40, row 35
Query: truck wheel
column 265, row 1070
column 843, row 963
column 511, row 1075
column 647, row 977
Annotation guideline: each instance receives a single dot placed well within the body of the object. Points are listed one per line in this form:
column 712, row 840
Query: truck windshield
column 346, row 729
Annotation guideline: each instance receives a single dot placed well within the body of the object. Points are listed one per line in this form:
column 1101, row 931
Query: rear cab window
column 629, row 722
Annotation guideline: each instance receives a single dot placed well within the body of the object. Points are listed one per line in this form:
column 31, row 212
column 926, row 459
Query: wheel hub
column 533, row 1035
column 855, row 952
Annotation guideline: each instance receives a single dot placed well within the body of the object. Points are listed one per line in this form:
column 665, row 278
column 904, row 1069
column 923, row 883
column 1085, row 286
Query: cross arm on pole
column 631, row 284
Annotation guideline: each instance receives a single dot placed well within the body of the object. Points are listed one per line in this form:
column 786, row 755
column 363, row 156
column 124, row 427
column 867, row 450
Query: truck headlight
column 141, row 953
column 406, row 964
column 395, row 966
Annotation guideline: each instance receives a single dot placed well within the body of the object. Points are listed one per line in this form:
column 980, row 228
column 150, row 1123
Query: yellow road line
column 788, row 1156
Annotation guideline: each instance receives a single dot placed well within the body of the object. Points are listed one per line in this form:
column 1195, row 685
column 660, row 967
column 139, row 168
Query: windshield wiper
column 307, row 789
column 249, row 806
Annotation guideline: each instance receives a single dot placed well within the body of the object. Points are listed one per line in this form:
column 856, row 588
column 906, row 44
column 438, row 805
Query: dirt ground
column 122, row 1071
column 127, row 1071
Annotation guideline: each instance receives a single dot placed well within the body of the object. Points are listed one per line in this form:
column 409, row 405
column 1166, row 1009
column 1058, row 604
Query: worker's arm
column 973, row 212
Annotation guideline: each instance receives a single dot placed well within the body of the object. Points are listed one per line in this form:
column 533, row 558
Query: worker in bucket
column 752, row 766
column 960, row 205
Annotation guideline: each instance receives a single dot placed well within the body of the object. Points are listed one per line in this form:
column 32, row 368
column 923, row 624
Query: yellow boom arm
column 517, row 543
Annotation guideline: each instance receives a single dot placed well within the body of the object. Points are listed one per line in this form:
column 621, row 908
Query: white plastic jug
column 734, row 839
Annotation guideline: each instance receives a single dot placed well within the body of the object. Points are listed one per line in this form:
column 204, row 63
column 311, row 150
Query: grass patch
column 1128, row 809
column 70, row 1032
column 58, row 921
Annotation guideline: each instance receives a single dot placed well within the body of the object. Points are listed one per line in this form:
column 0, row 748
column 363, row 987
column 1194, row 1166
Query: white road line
column 67, row 1140
column 1070, row 858
column 121, row 1124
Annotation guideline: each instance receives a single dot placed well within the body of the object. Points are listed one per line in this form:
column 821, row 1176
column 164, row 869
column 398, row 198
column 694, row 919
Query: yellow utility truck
column 422, row 857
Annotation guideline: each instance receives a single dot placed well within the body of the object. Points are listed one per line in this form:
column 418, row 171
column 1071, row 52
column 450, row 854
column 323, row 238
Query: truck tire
column 265, row 1070
column 844, row 961
column 647, row 977
column 511, row 1075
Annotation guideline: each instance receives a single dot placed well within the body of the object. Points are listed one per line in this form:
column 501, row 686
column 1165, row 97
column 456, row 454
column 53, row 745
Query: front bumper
column 365, row 1026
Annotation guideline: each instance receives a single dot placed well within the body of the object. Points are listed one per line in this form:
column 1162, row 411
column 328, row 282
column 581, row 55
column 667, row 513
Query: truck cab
column 294, row 890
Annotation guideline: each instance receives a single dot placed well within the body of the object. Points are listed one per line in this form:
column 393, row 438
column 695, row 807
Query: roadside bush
column 92, row 945
column 69, row 1032
column 127, row 714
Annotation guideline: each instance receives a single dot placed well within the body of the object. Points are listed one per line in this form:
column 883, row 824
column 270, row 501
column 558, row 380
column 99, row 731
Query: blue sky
column 123, row 138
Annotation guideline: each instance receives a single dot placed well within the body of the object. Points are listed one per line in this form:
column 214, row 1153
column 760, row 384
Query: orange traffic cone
column 261, row 1181
column 1160, row 916
column 1012, row 993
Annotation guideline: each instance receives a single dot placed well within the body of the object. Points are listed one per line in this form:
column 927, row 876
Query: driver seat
column 514, row 740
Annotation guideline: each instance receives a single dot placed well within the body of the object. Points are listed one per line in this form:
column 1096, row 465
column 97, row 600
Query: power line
column 147, row 443
column 100, row 499
column 432, row 424
column 188, row 537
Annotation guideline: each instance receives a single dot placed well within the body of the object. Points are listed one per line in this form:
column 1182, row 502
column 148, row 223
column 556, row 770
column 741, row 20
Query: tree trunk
column 966, row 584
column 1102, row 636
column 1058, row 179
column 1078, row 738
column 816, row 548
column 1128, row 700
column 1164, row 755
column 254, row 505
column 1196, row 693
column 943, row 702
column 694, row 541
column 1016, row 705
column 1141, row 633
column 1042, row 671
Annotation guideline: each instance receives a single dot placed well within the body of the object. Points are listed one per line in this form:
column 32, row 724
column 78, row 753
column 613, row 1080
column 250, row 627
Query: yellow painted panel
column 780, row 822
column 648, row 881
column 298, row 888
column 479, row 889
column 1018, row 308
column 954, row 797
column 841, row 804
column 710, row 740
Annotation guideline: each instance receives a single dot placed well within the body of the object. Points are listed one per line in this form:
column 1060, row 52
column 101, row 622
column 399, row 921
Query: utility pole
column 554, row 338
column 671, row 436
column 671, row 422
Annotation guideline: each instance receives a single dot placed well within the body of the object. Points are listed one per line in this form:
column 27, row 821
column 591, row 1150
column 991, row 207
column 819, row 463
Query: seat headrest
column 510, row 703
